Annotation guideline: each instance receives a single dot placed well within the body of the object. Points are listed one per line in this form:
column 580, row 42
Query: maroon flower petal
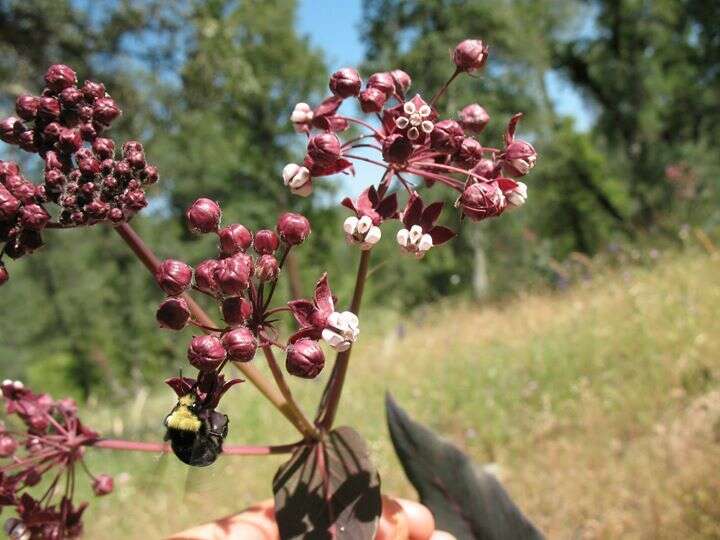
column 323, row 296
column 413, row 211
column 431, row 214
column 441, row 234
column 328, row 107
column 302, row 310
column 388, row 207
column 512, row 126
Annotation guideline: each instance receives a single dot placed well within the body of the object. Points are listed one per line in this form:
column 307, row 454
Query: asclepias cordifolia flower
column 204, row 216
column 420, row 233
column 85, row 182
column 304, row 358
column 370, row 211
column 318, row 319
column 49, row 446
column 519, row 156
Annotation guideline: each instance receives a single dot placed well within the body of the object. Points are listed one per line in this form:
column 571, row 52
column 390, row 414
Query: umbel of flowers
column 89, row 180
column 412, row 142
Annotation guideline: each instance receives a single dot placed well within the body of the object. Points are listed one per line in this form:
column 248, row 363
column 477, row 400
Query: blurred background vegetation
column 208, row 87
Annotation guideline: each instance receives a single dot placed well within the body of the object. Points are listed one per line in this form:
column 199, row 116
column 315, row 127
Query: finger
column 254, row 523
column 393, row 522
column 420, row 521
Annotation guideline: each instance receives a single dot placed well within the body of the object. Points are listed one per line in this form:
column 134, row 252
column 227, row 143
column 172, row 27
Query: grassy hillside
column 600, row 407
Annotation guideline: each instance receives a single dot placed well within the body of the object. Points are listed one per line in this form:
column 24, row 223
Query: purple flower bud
column 293, row 228
column 486, row 168
column 233, row 274
column 69, row 141
column 267, row 268
column 519, row 157
column 9, row 205
column 396, row 148
column 383, row 82
column 173, row 313
column 54, row 178
column 92, row 90
column 27, row 141
column 470, row 55
column 324, row 149
column 105, row 111
column 203, row 216
column 4, row 275
column 122, row 169
column 7, row 130
column 205, row 276
column 304, row 358
column 469, row 153
column 150, row 174
column 103, row 485
column 129, row 147
column 89, row 167
column 234, row 239
column 104, row 148
column 206, row 353
column 51, row 132
column 240, row 344
column 34, row 217
column 474, row 118
column 136, row 160
column 116, row 215
column 27, row 107
column 372, row 100
column 402, row 81
column 236, row 310
column 446, row 136
column 266, row 242
column 87, row 132
column 49, row 108
column 173, row 276
column 59, row 76
column 20, row 188
column 8, row 445
column 482, row 200
column 70, row 96
column 345, row 82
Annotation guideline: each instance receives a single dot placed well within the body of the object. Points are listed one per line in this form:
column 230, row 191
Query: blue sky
column 333, row 25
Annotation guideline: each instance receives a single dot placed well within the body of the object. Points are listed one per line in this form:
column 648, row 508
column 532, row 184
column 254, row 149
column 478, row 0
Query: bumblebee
column 196, row 433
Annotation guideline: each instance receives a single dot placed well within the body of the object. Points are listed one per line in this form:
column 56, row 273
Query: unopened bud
column 324, row 149
column 206, row 353
column 267, row 268
column 173, row 313
column 396, row 148
column 236, row 310
column 234, row 239
column 34, row 217
column 519, row 157
column 266, row 242
column 402, row 81
column 233, row 274
column 382, row 81
column 470, row 55
column 103, row 485
column 27, row 107
column 4, row 275
column 240, row 344
column 8, row 445
column 482, row 200
column 203, row 216
column 446, row 136
column 345, row 82
column 474, row 118
column 372, row 100
column 59, row 76
column 173, row 276
column 293, row 228
column 304, row 359
column 301, row 116
column 105, row 111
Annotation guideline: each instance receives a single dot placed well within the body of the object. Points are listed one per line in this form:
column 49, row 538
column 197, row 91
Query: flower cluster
column 83, row 176
column 50, row 446
column 242, row 280
column 412, row 141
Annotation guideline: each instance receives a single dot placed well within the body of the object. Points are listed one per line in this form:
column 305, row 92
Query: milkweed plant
column 92, row 180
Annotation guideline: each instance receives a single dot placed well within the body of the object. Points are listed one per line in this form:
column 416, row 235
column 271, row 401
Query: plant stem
column 333, row 390
column 308, row 428
column 151, row 262
column 230, row 449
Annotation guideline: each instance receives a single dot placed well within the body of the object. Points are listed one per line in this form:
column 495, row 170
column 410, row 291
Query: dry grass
column 601, row 407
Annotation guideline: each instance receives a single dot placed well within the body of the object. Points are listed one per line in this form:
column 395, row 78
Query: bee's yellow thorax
column 182, row 417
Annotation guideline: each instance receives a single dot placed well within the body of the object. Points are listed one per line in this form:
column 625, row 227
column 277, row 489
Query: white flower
column 342, row 330
column 416, row 119
column 298, row 179
column 361, row 231
column 415, row 241
column 518, row 195
column 301, row 116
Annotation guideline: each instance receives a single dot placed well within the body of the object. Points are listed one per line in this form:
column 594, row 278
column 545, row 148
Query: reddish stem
column 365, row 124
column 229, row 449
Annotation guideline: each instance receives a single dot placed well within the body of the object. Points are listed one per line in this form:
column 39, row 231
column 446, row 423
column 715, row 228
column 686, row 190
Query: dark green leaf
column 328, row 490
column 465, row 502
